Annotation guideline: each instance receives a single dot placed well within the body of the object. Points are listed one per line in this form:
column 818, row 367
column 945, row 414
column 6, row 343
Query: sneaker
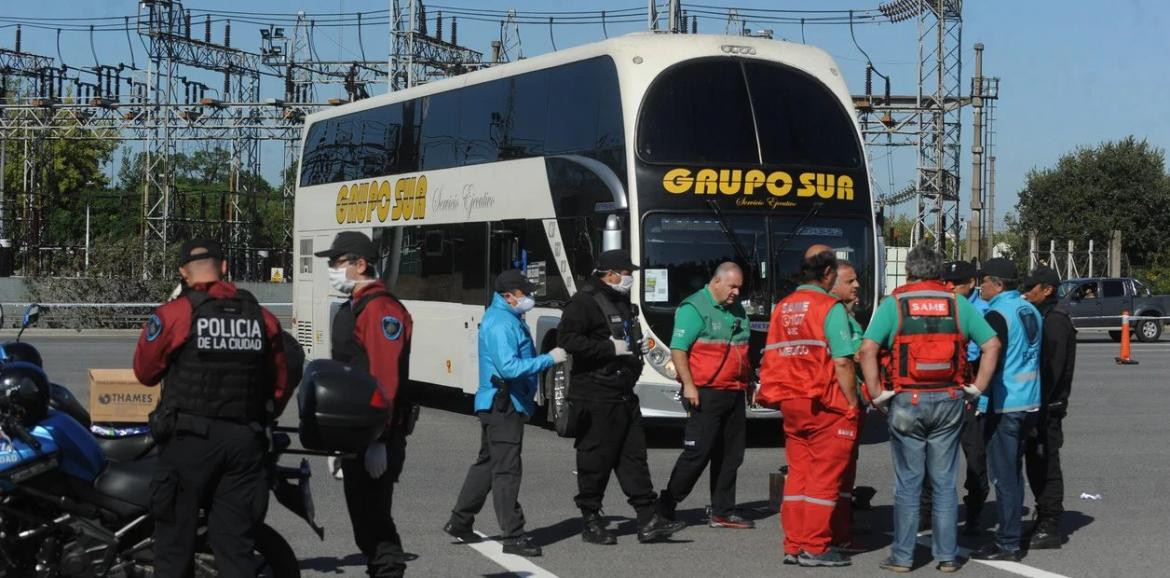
column 830, row 558
column 595, row 532
column 1046, row 536
column 790, row 559
column 733, row 521
column 995, row 553
column 521, row 546
column 890, row 565
column 463, row 534
column 658, row 528
column 949, row 566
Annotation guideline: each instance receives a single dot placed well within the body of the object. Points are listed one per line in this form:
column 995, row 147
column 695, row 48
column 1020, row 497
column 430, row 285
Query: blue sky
column 1073, row 73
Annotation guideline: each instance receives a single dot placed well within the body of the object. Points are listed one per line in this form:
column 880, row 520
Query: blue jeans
column 1006, row 434
column 924, row 440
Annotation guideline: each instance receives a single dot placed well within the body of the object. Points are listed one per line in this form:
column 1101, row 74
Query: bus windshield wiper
column 740, row 251
column 816, row 208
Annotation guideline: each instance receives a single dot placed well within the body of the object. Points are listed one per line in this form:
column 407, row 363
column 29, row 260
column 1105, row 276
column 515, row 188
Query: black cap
column 1043, row 275
column 196, row 249
column 350, row 243
column 514, row 279
column 615, row 260
column 999, row 267
column 958, row 271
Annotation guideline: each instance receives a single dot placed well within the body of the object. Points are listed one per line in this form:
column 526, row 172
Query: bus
column 686, row 150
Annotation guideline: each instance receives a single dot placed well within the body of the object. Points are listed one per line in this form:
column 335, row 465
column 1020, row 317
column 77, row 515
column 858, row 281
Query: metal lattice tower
column 940, row 25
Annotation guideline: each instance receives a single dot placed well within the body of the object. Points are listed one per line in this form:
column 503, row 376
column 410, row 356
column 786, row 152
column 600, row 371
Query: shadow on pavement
column 332, row 565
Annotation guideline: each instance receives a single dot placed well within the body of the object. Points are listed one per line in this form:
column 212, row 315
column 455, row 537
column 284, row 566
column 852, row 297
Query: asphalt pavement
column 1116, row 449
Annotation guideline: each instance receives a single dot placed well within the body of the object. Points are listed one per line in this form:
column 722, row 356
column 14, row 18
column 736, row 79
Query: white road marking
column 518, row 565
column 924, row 540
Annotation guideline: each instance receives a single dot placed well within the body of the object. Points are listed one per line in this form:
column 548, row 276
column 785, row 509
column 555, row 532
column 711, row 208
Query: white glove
column 335, row 468
column 972, row 393
column 620, row 347
column 882, row 401
column 559, row 355
column 376, row 459
column 645, row 343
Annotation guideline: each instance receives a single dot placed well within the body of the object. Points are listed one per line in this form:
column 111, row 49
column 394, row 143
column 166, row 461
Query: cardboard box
column 116, row 396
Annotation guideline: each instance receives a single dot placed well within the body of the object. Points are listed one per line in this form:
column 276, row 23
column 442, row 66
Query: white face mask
column 339, row 282
column 624, row 287
column 523, row 305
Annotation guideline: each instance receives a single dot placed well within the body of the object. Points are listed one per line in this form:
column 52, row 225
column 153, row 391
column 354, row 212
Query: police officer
column 1014, row 402
column 709, row 347
column 807, row 371
column 222, row 358
column 509, row 370
column 371, row 332
column 1058, row 356
column 599, row 329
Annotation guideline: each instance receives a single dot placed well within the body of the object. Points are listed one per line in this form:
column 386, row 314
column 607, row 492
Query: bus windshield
column 681, row 250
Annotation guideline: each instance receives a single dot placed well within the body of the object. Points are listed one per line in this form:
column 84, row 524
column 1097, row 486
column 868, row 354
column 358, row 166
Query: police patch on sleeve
column 391, row 327
column 154, row 327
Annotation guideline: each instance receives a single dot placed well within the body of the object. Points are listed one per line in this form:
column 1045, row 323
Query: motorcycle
column 75, row 505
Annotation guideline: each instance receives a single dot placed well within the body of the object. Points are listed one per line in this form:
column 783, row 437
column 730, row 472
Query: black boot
column 595, row 532
column 973, row 527
column 521, row 546
column 1046, row 535
column 658, row 528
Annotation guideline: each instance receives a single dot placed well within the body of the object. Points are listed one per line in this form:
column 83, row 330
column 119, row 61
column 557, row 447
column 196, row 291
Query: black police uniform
column 370, row 500
column 1058, row 355
column 610, row 436
column 210, row 427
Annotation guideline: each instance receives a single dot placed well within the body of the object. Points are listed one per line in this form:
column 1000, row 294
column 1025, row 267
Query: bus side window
column 436, row 262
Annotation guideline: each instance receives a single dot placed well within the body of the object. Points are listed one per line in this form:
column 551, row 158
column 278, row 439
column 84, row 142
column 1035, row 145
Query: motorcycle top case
column 64, row 443
column 341, row 409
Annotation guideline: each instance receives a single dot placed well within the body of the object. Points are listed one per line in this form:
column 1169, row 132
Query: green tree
column 1091, row 191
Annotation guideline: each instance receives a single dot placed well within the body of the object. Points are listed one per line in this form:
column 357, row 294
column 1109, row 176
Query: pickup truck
column 1094, row 297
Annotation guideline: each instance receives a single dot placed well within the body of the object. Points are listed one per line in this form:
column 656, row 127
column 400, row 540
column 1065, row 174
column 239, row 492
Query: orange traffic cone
column 1125, row 359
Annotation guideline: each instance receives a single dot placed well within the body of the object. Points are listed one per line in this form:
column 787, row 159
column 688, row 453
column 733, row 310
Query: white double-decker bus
column 687, row 150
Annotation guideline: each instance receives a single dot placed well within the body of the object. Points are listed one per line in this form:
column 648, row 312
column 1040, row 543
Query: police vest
column 221, row 370
column 623, row 327
column 719, row 357
column 1016, row 384
column 345, row 347
column 797, row 363
column 929, row 351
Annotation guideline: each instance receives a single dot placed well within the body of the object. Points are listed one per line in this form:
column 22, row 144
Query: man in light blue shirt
column 1014, row 400
column 509, row 371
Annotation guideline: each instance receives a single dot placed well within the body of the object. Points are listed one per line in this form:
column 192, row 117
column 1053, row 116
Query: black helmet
column 20, row 351
column 25, row 388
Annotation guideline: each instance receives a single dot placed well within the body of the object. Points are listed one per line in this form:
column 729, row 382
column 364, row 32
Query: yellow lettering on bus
column 826, row 186
column 420, row 198
column 729, row 181
column 845, row 188
column 359, row 203
column 807, row 185
column 752, row 180
column 706, row 181
column 779, row 184
column 399, row 192
column 677, row 181
column 408, row 199
column 342, row 198
column 383, row 201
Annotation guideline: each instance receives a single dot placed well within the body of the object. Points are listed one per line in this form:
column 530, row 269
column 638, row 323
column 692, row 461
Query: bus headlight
column 659, row 358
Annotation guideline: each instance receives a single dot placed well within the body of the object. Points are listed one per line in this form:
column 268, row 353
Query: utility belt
column 503, row 398
column 165, row 423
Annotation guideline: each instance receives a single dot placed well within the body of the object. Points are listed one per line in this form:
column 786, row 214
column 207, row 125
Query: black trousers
column 370, row 501
column 497, row 470
column 716, row 433
column 611, row 439
column 975, row 454
column 1042, row 461
column 215, row 465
